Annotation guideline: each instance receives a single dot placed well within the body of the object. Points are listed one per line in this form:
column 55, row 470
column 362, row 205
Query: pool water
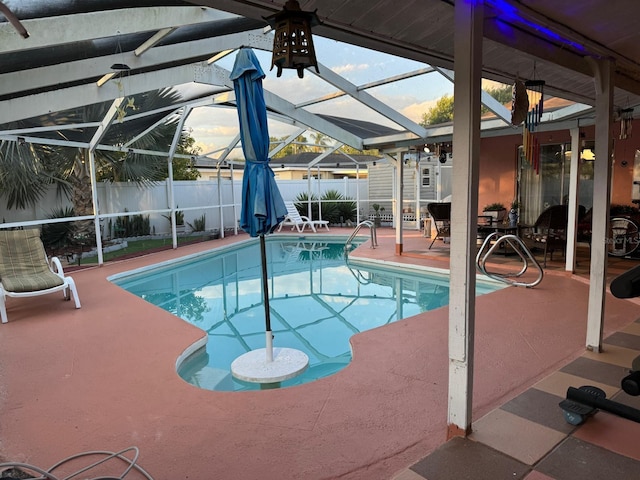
column 318, row 300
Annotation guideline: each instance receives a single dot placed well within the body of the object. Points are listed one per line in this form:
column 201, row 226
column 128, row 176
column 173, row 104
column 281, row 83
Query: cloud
column 349, row 68
column 414, row 111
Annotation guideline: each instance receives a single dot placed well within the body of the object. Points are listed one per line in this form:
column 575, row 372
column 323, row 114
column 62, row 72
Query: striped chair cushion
column 23, row 265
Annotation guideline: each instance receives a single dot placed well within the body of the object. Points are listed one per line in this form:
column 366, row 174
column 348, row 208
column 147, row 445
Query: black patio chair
column 441, row 214
column 549, row 233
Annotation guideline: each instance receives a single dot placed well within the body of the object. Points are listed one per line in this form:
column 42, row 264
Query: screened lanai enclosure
column 108, row 110
column 101, row 94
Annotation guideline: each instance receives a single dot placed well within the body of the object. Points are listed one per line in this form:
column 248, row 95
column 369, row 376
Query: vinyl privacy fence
column 217, row 202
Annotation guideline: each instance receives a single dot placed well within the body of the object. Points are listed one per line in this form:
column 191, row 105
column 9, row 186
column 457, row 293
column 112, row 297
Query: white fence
column 218, row 202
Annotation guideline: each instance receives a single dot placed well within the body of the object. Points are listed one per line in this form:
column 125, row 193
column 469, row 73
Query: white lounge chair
column 25, row 271
column 297, row 221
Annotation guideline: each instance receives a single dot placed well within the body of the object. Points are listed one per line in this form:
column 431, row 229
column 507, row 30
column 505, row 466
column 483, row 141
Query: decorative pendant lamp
column 292, row 44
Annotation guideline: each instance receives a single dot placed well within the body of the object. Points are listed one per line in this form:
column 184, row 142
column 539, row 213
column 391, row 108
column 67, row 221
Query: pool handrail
column 372, row 230
column 516, row 243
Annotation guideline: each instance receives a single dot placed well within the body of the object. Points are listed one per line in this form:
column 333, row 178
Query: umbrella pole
column 265, row 289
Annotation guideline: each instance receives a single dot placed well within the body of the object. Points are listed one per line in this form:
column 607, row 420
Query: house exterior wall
column 382, row 174
column 498, row 167
column 381, row 185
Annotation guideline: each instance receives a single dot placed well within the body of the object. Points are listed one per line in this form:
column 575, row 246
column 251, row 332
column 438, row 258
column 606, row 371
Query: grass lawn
column 140, row 247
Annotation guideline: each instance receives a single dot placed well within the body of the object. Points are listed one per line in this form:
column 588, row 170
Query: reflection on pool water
column 318, row 301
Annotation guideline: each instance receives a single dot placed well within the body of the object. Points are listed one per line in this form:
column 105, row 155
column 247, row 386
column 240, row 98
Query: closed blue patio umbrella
column 262, row 206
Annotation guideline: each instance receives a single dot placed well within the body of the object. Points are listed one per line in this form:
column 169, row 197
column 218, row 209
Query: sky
column 214, row 128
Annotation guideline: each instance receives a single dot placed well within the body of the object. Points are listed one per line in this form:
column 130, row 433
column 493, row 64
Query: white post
column 418, row 186
column 603, row 72
column 172, row 203
column 220, row 201
column 96, row 207
column 319, row 198
column 357, row 194
column 572, row 224
column 233, row 202
column 464, row 207
column 399, row 195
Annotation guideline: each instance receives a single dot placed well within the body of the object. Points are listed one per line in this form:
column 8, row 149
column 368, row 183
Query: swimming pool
column 317, row 299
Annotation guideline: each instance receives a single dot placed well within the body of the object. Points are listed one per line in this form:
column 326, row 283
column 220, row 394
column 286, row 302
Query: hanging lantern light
column 292, row 43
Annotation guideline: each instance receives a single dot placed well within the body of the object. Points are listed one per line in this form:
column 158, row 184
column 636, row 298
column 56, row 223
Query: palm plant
column 302, row 201
column 27, row 170
column 57, row 235
column 332, row 206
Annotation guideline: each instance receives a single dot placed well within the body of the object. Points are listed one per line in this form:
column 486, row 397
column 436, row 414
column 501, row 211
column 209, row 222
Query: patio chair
column 549, row 232
column 441, row 214
column 25, row 271
column 315, row 223
column 297, row 221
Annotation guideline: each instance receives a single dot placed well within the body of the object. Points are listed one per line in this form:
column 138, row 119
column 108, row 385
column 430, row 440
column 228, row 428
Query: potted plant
column 495, row 210
column 376, row 216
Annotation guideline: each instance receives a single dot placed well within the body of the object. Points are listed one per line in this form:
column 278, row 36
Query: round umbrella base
column 254, row 367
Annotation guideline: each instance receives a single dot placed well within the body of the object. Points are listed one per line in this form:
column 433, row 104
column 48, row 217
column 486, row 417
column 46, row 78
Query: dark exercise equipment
column 585, row 401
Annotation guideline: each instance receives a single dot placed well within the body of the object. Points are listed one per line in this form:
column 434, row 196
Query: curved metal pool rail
column 518, row 246
column 360, row 277
column 372, row 229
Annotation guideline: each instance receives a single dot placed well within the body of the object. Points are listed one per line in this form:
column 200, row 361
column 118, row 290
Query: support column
column 399, row 198
column 572, row 224
column 464, row 208
column 96, row 209
column 603, row 73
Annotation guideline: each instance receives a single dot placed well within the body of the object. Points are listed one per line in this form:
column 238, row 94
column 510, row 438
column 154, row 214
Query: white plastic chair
column 297, row 221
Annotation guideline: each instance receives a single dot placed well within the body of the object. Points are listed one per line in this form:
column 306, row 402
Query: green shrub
column 301, row 203
column 58, row 235
column 198, row 224
column 494, row 207
column 132, row 226
column 336, row 208
column 179, row 217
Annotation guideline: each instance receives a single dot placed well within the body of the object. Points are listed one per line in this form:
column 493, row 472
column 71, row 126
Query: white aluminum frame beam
column 41, row 77
column 370, row 101
column 215, row 75
column 366, row 86
column 488, row 101
column 95, row 140
column 105, row 23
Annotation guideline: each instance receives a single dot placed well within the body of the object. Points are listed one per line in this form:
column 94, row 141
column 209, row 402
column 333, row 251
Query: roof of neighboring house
column 299, row 160
column 332, row 160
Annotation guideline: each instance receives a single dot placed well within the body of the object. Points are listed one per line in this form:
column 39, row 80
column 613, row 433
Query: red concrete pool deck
column 104, row 378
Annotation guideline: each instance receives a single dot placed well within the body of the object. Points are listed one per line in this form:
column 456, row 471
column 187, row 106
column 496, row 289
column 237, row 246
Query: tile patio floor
column 103, row 378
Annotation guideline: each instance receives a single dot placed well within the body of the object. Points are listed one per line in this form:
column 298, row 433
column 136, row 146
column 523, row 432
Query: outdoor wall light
column 21, row 141
column 292, row 42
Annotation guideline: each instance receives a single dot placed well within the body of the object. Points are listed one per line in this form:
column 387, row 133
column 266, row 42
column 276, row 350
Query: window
column 426, row 177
